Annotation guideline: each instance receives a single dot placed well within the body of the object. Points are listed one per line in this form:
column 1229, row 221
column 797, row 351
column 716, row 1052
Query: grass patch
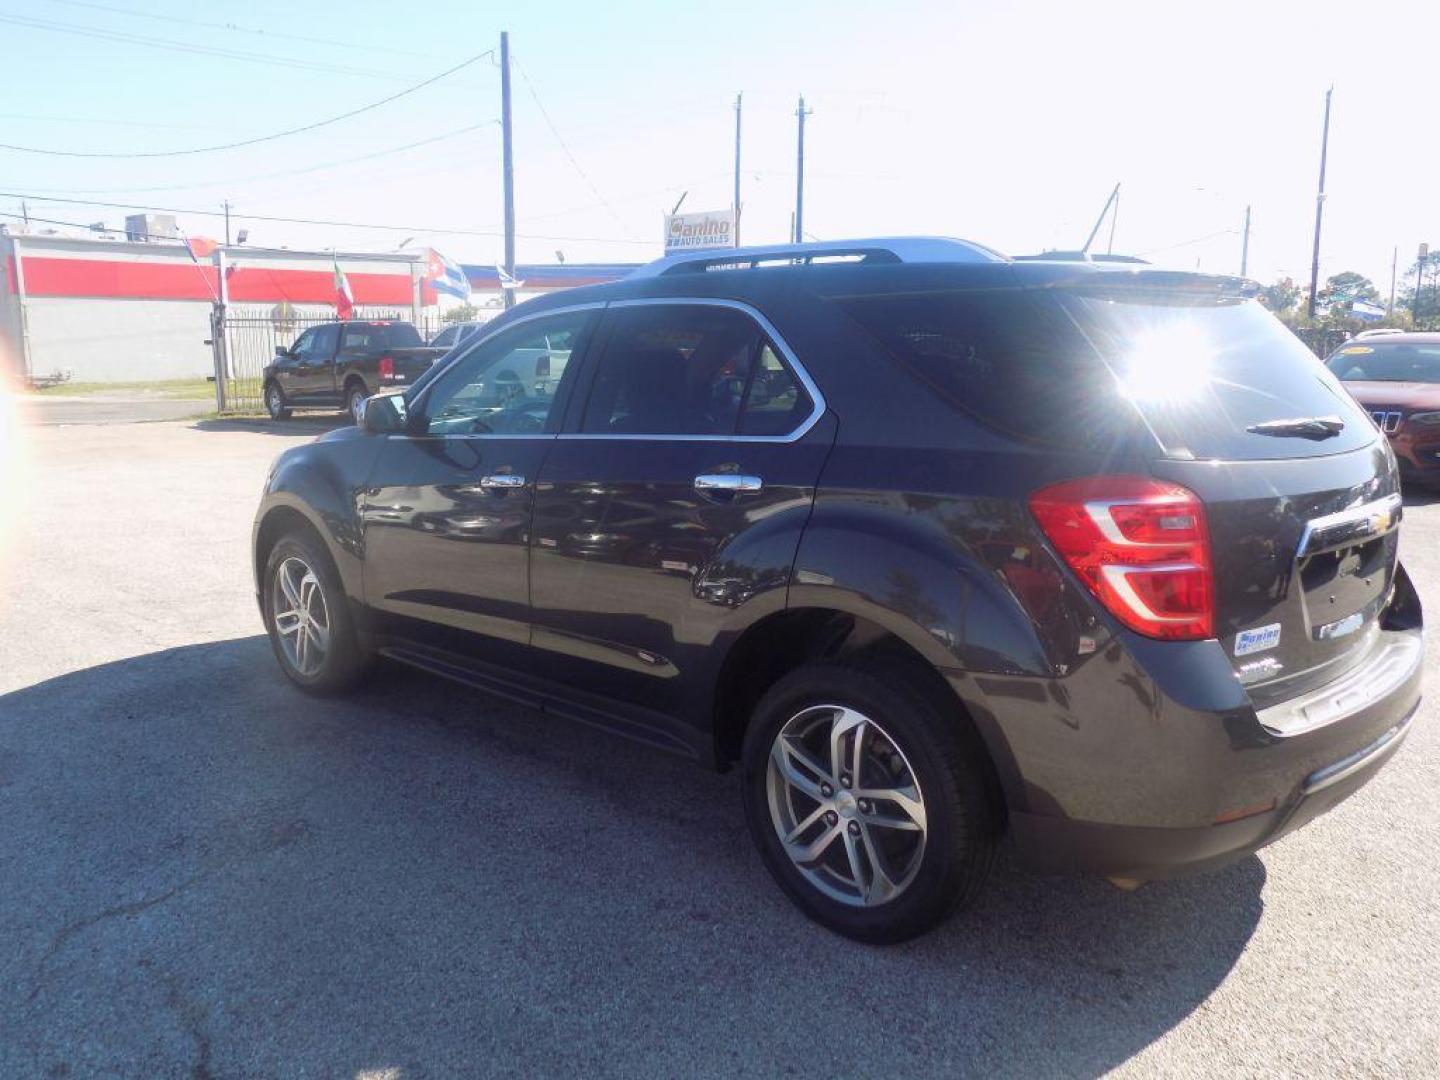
column 172, row 389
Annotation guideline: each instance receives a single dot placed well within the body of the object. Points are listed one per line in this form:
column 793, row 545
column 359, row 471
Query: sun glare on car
column 1167, row 364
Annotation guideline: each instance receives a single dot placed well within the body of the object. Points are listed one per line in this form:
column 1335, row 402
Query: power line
column 233, row 28
column 125, row 38
column 1187, row 243
column 229, row 182
column 565, row 147
column 302, row 221
column 259, row 138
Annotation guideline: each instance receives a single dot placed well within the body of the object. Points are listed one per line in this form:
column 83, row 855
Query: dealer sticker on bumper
column 1257, row 640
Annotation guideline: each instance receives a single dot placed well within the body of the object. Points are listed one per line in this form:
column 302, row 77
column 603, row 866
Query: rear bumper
column 1247, row 791
column 1058, row 845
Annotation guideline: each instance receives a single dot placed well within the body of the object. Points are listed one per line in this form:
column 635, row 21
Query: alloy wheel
column 357, row 405
column 273, row 401
column 302, row 620
column 846, row 805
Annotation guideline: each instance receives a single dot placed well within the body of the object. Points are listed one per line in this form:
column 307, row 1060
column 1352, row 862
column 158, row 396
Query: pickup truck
column 340, row 364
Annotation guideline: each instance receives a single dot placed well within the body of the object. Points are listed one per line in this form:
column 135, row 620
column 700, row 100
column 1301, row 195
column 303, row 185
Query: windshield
column 1387, row 361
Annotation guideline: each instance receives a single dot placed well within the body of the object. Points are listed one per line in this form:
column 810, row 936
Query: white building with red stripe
column 112, row 311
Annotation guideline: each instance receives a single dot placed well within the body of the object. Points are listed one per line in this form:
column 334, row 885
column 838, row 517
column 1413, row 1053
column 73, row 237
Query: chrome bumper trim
column 1321, row 779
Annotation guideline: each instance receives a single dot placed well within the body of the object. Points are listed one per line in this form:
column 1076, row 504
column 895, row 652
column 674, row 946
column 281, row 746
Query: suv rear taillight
column 387, row 367
column 1140, row 545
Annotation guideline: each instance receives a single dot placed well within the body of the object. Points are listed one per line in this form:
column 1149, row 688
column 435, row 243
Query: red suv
column 1397, row 379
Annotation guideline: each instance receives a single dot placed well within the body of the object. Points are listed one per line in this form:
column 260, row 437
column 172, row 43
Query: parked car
column 1397, row 379
column 455, row 334
column 340, row 364
column 928, row 542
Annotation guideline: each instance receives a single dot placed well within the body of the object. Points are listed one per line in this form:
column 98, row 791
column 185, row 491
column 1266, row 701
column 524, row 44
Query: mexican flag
column 344, row 298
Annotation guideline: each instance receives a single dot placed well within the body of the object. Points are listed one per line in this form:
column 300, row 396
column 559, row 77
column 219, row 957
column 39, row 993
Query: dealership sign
column 699, row 232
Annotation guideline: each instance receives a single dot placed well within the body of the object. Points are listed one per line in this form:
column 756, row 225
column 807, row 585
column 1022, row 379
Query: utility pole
column 1419, row 274
column 1394, row 263
column 1245, row 247
column 801, row 112
column 226, row 205
column 1319, row 207
column 736, row 203
column 508, row 167
column 25, row 213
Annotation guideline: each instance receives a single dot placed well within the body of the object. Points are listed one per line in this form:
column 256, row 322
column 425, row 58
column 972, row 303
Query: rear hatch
column 1301, row 495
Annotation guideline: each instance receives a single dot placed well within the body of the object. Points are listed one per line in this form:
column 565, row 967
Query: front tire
column 275, row 402
column 871, row 807
column 308, row 617
column 355, row 395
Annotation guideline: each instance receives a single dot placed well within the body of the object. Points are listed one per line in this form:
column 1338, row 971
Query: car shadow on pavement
column 206, row 871
column 301, row 424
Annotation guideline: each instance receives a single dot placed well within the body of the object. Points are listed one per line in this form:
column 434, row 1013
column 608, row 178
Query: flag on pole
column 446, row 277
column 344, row 298
column 200, row 247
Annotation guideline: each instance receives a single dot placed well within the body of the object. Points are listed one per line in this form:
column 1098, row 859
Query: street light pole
column 508, row 171
column 736, row 203
column 1319, row 207
column 801, row 112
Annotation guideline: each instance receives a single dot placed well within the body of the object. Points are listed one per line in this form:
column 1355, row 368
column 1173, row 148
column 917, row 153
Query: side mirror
column 384, row 414
column 282, row 350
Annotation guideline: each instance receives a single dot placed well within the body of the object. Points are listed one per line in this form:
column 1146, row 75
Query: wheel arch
column 786, row 640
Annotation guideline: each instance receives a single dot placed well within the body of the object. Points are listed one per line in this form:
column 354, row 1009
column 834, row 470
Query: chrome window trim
column 802, row 429
column 474, row 342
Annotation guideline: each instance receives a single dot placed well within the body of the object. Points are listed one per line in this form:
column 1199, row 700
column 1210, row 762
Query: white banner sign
column 699, row 232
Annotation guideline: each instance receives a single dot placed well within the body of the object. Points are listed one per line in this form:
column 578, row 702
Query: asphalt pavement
column 204, row 873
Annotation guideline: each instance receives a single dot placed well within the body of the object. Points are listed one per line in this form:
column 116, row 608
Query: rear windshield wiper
column 1305, row 427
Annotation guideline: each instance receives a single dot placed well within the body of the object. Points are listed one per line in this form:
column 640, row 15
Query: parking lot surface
column 204, row 873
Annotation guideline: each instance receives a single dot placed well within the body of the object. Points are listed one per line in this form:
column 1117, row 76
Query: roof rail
column 885, row 249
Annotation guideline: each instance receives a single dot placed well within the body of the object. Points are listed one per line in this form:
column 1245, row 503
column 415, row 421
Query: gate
column 245, row 337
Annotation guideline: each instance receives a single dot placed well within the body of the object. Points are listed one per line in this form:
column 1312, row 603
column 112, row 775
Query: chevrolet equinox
column 932, row 543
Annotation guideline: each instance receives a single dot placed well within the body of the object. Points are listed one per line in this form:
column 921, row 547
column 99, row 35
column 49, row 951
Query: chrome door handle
column 727, row 483
column 501, row 482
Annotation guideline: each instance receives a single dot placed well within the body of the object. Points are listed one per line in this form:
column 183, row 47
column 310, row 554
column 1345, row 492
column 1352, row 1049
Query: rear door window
column 673, row 369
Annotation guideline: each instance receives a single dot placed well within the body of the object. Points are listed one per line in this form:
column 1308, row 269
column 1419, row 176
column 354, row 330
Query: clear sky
column 1005, row 123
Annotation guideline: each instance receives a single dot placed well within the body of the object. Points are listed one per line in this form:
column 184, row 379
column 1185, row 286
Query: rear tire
column 355, row 395
column 308, row 617
column 893, row 867
column 275, row 403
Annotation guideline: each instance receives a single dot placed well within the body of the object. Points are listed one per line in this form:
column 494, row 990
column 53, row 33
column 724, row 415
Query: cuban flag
column 447, row 277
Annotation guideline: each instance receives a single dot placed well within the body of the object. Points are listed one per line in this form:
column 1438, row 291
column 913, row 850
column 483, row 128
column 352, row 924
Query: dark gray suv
column 933, row 544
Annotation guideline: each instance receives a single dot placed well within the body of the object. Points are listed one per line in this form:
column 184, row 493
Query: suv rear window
column 1083, row 368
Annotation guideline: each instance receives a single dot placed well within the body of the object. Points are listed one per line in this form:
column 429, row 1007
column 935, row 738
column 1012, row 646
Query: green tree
column 1424, row 307
column 1348, row 285
column 463, row 313
column 1281, row 297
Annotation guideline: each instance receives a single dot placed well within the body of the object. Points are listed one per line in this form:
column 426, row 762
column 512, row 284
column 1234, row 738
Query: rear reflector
column 1140, row 545
column 387, row 367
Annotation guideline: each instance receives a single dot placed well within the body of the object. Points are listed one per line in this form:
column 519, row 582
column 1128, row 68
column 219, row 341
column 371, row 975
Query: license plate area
column 1344, row 581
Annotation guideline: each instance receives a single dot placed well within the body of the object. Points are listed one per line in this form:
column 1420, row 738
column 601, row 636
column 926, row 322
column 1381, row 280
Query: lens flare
column 1167, row 364
column 15, row 467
